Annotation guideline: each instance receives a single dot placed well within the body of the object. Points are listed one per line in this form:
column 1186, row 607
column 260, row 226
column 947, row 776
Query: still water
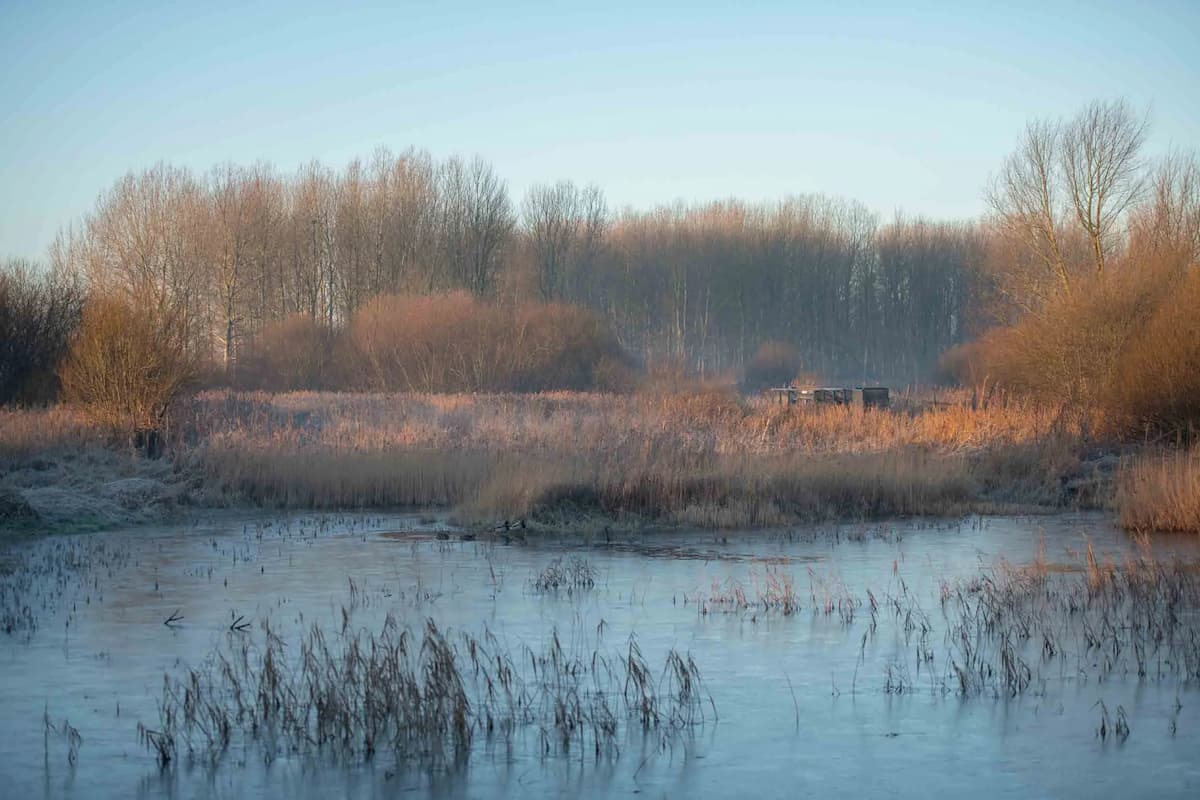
column 804, row 703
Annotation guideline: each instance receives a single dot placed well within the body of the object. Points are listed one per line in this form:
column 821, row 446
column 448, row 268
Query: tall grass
column 705, row 421
column 422, row 696
column 703, row 457
column 1161, row 492
column 309, row 477
column 707, row 458
column 26, row 433
column 1011, row 630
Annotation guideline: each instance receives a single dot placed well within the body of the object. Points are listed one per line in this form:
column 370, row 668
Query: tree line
column 236, row 262
column 693, row 287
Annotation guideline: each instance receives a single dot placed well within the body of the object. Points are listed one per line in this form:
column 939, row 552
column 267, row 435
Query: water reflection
column 803, row 703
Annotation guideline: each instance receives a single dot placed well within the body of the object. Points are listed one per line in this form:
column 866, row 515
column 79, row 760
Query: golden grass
column 708, row 422
column 307, row 478
column 28, row 432
column 704, row 458
column 1161, row 492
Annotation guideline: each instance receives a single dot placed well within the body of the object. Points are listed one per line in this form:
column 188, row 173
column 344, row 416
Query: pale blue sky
column 900, row 105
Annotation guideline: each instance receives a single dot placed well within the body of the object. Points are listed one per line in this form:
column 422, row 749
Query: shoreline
column 132, row 493
column 559, row 462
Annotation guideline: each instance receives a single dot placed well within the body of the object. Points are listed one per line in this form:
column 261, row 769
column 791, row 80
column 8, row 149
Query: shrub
column 1070, row 352
column 614, row 374
column 126, row 365
column 457, row 343
column 1127, row 345
column 424, row 344
column 965, row 364
column 289, row 354
column 558, row 346
column 1157, row 382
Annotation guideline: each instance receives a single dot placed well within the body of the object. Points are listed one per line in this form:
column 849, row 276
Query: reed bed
column 708, row 459
column 1009, row 631
column 426, row 698
column 1161, row 492
column 771, row 592
column 565, row 576
column 703, row 420
column 29, row 433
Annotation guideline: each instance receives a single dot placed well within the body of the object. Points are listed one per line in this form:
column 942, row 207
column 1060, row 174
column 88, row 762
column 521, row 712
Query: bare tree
column 700, row 286
column 549, row 213
column 1025, row 198
column 402, row 211
column 145, row 241
column 350, row 252
column 38, row 311
column 1168, row 224
column 229, row 240
column 1102, row 170
column 312, row 278
column 565, row 226
column 477, row 220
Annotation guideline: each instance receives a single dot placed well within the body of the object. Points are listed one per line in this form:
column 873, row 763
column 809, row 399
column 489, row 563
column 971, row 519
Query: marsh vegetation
column 403, row 333
column 326, row 649
column 707, row 459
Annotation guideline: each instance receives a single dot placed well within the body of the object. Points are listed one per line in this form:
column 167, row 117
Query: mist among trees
column 315, row 279
column 695, row 287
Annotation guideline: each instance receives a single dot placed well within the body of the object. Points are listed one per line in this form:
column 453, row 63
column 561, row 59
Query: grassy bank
column 60, row 472
column 702, row 458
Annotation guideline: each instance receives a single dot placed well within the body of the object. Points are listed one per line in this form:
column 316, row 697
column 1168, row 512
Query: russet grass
column 701, row 457
column 422, row 696
column 1162, row 492
column 704, row 458
column 27, row 433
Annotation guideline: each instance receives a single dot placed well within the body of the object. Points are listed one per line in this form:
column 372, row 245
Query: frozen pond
column 816, row 702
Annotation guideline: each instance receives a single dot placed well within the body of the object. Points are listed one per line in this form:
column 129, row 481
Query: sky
column 902, row 106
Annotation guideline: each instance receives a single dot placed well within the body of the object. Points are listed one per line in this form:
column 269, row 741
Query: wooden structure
column 863, row 396
column 873, row 396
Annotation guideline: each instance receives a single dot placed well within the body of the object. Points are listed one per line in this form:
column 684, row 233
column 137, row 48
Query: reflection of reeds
column 1010, row 630
column 161, row 744
column 1118, row 727
column 352, row 694
column 68, row 732
column 60, row 574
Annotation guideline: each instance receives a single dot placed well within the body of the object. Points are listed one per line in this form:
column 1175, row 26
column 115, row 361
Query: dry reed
column 706, row 458
column 423, row 697
column 1161, row 492
column 568, row 576
column 27, row 433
